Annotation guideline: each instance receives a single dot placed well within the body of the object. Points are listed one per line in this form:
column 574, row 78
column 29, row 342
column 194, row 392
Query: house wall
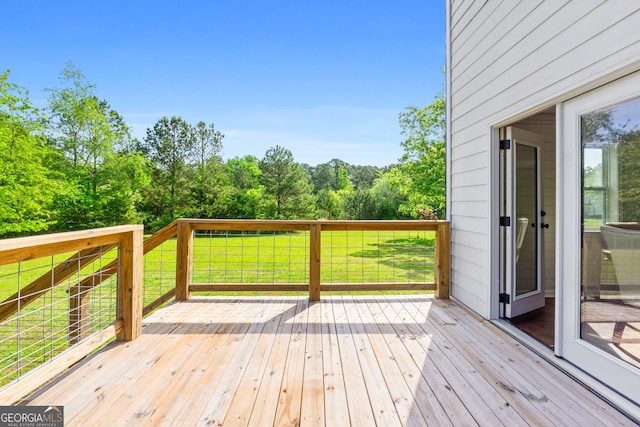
column 509, row 60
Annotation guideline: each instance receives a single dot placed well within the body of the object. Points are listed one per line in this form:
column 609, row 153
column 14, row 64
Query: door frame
column 566, row 262
column 614, row 372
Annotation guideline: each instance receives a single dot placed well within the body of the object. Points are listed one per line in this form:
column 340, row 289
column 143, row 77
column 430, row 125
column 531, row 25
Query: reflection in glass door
column 599, row 235
column 610, row 297
column 526, row 200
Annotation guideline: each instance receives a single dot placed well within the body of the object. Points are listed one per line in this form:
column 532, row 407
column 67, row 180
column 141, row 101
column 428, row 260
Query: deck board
column 312, row 412
column 360, row 411
column 440, row 357
column 388, row 360
column 264, row 410
column 335, row 394
column 429, row 406
column 533, row 384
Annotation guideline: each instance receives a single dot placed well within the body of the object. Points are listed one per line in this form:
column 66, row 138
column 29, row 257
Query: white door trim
column 614, row 372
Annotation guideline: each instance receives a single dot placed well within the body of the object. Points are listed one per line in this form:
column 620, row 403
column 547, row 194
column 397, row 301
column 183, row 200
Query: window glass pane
column 593, row 208
column 610, row 307
column 593, row 167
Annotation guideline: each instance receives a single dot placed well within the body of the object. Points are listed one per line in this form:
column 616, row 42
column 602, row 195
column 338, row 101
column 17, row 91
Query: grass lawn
column 272, row 258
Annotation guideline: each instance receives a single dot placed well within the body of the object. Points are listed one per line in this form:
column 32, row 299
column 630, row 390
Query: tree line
column 74, row 165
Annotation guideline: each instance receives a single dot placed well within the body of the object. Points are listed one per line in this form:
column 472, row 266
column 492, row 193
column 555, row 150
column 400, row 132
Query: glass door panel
column 526, row 219
column 599, row 235
column 610, row 296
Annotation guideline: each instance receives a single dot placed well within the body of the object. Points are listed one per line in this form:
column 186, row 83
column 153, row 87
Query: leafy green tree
column 330, row 204
column 122, row 178
column 337, row 174
column 358, row 204
column 363, row 177
column 91, row 137
column 421, row 177
column 323, row 177
column 387, row 199
column 27, row 185
column 207, row 142
column 288, row 185
column 629, row 175
column 247, row 193
column 343, row 181
column 170, row 145
column 74, row 109
column 210, row 190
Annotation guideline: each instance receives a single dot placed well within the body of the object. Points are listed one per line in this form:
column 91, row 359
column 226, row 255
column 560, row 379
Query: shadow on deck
column 371, row 360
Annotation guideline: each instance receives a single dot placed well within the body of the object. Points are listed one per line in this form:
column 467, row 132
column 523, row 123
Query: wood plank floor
column 362, row 361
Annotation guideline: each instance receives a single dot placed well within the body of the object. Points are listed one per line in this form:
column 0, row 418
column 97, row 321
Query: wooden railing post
column 184, row 255
column 130, row 284
column 79, row 302
column 443, row 259
column 315, row 231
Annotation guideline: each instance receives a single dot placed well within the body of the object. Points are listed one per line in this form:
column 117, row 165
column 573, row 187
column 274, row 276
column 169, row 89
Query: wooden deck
column 383, row 360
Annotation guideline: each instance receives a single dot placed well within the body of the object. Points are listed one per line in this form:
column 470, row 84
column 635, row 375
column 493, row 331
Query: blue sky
column 324, row 79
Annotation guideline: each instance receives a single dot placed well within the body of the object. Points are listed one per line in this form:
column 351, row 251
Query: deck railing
column 63, row 295
column 311, row 256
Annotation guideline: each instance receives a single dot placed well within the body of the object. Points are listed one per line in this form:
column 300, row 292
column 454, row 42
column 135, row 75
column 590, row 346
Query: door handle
column 544, row 225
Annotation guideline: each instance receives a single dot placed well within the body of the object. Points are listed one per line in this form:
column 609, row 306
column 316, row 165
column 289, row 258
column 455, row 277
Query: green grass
column 592, row 223
column 346, row 257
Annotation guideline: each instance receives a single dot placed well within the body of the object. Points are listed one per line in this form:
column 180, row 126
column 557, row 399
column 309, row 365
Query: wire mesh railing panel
column 49, row 304
column 378, row 256
column 250, row 257
column 159, row 271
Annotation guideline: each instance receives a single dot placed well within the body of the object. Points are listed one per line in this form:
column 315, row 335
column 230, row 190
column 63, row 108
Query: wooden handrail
column 26, row 248
column 70, row 267
column 10, row 250
column 90, row 245
column 186, row 227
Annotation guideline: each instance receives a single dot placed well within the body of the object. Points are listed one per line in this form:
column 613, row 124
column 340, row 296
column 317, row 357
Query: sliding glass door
column 600, row 226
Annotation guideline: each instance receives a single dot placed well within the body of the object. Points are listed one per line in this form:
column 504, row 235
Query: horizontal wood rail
column 184, row 262
column 90, row 245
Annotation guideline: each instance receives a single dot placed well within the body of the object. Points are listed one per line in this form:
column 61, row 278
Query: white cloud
column 357, row 135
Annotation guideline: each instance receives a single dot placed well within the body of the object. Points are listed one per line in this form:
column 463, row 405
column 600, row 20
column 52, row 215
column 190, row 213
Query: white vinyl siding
column 509, row 60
